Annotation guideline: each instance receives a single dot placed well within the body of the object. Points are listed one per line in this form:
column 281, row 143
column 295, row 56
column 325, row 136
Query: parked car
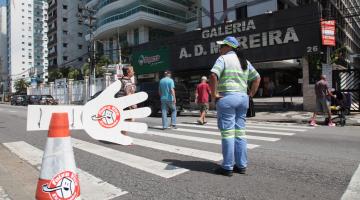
column 19, row 99
column 153, row 101
column 33, row 99
column 41, row 100
column 47, row 100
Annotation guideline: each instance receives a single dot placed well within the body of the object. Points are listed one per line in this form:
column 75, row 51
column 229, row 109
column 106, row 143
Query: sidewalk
column 284, row 116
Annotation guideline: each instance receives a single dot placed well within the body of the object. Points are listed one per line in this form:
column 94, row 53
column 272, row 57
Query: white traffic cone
column 58, row 178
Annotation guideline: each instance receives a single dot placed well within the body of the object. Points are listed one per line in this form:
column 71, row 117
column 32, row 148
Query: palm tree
column 21, row 86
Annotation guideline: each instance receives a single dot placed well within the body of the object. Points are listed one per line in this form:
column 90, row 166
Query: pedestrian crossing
column 203, row 135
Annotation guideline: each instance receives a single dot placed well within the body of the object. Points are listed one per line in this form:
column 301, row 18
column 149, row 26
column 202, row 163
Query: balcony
column 107, row 6
column 142, row 15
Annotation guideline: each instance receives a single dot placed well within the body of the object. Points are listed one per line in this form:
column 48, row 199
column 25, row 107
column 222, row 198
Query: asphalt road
column 286, row 161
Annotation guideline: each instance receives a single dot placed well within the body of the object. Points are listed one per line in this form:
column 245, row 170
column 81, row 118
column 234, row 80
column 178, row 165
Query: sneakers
column 331, row 124
column 224, row 172
column 173, row 127
column 239, row 170
column 313, row 123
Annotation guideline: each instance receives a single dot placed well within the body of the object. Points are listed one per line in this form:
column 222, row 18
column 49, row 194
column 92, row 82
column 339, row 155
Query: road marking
column 3, row 195
column 251, row 137
column 196, row 139
column 154, row 167
column 89, row 185
column 285, row 125
column 265, row 126
column 12, row 111
column 179, row 150
column 247, row 130
column 353, row 189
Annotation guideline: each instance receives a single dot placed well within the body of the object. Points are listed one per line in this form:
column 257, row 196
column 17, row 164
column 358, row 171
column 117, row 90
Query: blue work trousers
column 165, row 105
column 231, row 115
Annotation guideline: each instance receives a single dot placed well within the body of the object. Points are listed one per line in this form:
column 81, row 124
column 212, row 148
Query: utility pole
column 328, row 17
column 88, row 14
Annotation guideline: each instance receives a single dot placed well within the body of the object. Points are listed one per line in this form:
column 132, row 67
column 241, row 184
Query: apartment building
column 3, row 50
column 127, row 23
column 27, row 41
column 67, row 45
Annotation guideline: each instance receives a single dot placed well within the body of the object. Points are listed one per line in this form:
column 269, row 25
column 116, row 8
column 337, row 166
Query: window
column 65, row 32
column 65, row 19
column 65, row 44
column 80, row 34
column 241, row 12
column 29, row 44
column 65, row 7
column 65, row 58
column 80, row 59
column 80, row 46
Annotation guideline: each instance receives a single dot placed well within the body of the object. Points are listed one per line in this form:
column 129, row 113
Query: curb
column 278, row 120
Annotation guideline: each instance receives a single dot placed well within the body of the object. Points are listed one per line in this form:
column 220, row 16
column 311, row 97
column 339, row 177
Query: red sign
column 328, row 32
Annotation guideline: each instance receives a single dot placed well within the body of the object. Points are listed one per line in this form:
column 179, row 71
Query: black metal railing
column 286, row 92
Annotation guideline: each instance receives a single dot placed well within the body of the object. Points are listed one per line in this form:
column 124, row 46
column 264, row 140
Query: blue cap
column 231, row 41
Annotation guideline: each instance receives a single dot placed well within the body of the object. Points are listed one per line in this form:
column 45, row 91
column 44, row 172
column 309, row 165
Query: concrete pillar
column 143, row 34
column 70, row 91
column 42, row 86
column 308, row 89
column 130, row 37
column 52, row 89
column 107, row 79
column 86, row 89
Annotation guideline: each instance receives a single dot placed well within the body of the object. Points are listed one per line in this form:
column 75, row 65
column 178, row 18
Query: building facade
column 120, row 24
column 67, row 45
column 3, row 50
column 27, row 41
column 273, row 37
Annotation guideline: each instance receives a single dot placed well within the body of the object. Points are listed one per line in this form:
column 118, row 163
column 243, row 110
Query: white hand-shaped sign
column 103, row 118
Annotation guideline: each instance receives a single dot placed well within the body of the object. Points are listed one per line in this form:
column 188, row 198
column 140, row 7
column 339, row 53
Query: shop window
column 241, row 12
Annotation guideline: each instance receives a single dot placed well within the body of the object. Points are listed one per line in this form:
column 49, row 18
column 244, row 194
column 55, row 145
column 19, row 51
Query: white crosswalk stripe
column 141, row 163
column 179, row 150
column 216, row 133
column 247, row 130
column 266, row 126
column 192, row 138
column 90, row 185
column 3, row 194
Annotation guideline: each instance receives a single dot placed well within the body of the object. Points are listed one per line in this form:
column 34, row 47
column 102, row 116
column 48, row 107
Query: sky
column 2, row 2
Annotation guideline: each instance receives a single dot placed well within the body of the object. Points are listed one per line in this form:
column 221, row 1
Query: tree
column 21, row 86
column 102, row 61
column 339, row 56
column 55, row 74
column 73, row 74
column 85, row 69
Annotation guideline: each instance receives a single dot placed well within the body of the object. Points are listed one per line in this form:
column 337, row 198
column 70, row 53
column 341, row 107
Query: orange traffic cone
column 58, row 178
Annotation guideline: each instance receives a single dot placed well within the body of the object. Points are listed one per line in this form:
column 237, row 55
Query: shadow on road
column 200, row 166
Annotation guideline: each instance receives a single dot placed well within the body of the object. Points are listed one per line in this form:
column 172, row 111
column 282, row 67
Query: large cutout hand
column 104, row 117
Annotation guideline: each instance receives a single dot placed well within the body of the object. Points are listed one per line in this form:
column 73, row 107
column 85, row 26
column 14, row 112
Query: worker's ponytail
column 243, row 61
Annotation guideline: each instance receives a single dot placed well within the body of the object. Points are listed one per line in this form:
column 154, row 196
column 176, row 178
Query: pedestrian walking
column 229, row 83
column 322, row 93
column 168, row 99
column 128, row 87
column 202, row 99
